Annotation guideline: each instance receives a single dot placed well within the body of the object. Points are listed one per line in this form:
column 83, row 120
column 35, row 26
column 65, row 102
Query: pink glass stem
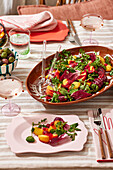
column 10, row 107
column 90, row 37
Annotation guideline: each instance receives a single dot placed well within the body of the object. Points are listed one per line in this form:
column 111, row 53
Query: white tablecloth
column 64, row 160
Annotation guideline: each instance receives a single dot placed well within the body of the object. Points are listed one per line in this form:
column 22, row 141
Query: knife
column 76, row 38
column 106, row 135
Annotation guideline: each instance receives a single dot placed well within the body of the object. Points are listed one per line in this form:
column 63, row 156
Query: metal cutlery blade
column 75, row 37
column 77, row 40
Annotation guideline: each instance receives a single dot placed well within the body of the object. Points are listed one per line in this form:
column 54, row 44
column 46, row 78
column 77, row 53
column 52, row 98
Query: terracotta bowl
column 32, row 78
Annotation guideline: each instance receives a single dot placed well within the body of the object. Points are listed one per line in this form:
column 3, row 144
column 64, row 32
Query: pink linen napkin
column 108, row 122
column 43, row 21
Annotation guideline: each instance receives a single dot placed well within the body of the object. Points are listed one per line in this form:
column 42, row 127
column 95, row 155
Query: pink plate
column 20, row 128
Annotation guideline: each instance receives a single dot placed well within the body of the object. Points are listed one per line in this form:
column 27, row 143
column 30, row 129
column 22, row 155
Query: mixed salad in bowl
column 74, row 77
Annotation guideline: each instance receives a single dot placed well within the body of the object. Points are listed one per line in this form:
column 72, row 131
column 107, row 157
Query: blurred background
column 10, row 6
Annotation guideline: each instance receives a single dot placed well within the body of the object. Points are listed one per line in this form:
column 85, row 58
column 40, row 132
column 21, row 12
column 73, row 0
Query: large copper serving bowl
column 32, row 78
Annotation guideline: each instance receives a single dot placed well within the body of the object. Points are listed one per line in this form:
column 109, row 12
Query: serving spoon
column 42, row 84
column 53, row 62
column 42, row 77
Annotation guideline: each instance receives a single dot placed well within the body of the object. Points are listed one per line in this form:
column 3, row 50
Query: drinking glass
column 10, row 87
column 91, row 22
column 20, row 42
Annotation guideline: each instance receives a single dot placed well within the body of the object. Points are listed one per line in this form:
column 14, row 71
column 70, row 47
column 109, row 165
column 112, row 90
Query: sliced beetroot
column 80, row 94
column 100, row 80
column 44, row 128
column 74, row 76
column 64, row 75
column 50, row 135
column 62, row 99
column 59, row 141
column 70, row 76
column 45, row 132
column 58, row 93
column 59, row 118
column 66, row 127
column 48, row 125
column 92, row 56
column 73, row 65
column 101, row 71
column 52, row 123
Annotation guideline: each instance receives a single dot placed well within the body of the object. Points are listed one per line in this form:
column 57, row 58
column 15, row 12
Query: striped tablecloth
column 65, row 160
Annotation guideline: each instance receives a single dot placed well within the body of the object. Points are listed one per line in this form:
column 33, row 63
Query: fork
column 106, row 134
column 97, row 121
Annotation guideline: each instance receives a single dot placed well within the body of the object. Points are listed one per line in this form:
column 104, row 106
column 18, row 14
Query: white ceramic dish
column 20, row 128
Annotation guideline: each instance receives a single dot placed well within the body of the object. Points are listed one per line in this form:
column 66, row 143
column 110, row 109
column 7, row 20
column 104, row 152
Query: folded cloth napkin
column 43, row 21
column 108, row 122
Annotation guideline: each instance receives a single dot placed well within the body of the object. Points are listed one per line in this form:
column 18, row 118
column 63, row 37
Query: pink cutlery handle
column 101, row 145
column 108, row 144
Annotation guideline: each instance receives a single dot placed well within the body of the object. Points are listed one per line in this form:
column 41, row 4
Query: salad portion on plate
column 54, row 134
column 75, row 77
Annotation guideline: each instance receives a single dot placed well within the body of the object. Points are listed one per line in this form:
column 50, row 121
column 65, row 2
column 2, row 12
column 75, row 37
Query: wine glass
column 10, row 87
column 91, row 22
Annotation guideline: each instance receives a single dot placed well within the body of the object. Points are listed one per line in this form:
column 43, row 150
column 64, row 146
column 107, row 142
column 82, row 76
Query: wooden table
column 65, row 160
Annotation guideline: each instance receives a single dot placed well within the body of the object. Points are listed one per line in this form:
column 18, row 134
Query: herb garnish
column 58, row 129
column 107, row 60
column 81, row 72
column 30, row 139
column 111, row 73
column 39, row 124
